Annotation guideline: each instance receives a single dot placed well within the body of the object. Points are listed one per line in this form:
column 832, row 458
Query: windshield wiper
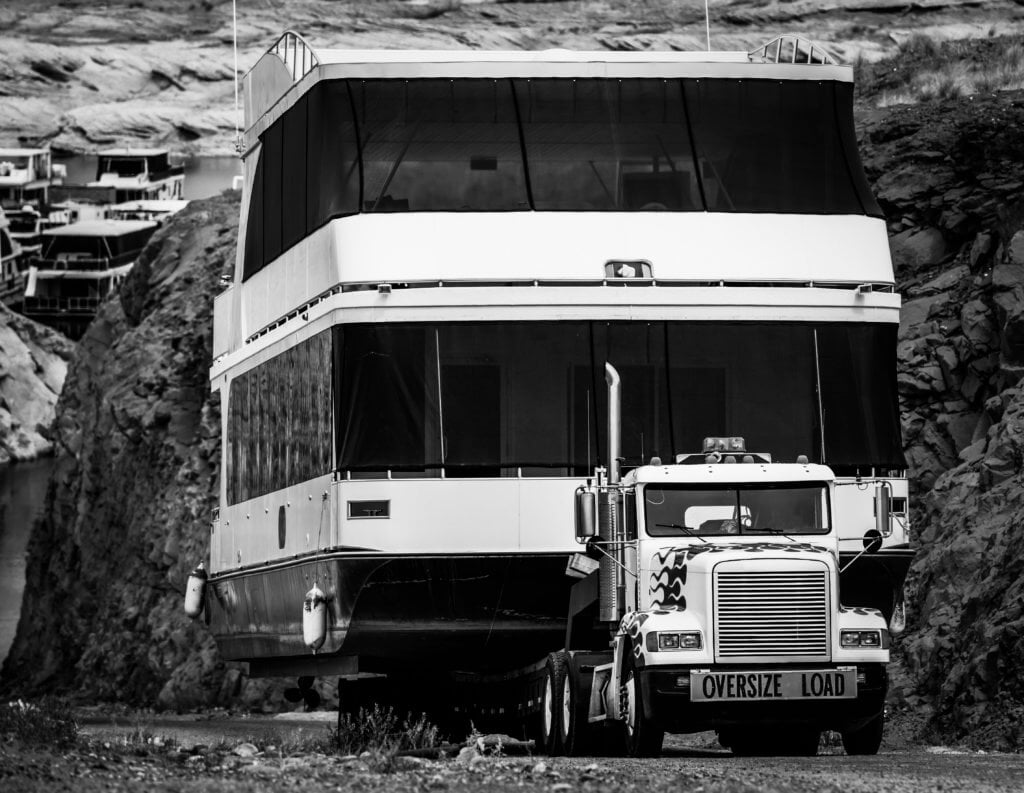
column 776, row 532
column 690, row 532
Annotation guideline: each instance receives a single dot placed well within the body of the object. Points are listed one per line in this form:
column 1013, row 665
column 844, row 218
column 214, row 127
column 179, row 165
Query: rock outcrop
column 951, row 178
column 164, row 73
column 138, row 436
column 33, row 364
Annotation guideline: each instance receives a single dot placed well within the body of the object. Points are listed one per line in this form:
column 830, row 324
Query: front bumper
column 666, row 698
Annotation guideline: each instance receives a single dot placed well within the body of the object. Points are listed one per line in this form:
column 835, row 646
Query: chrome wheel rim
column 546, row 707
column 566, row 702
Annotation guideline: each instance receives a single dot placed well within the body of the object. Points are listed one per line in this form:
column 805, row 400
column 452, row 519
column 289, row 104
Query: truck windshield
column 680, row 510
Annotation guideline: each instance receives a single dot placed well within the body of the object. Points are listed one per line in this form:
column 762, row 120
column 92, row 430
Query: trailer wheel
column 866, row 740
column 577, row 735
column 552, row 704
column 643, row 736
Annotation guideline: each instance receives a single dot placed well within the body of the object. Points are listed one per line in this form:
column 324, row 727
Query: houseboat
column 138, row 175
column 26, row 176
column 12, row 272
column 156, row 209
column 78, row 266
column 440, row 252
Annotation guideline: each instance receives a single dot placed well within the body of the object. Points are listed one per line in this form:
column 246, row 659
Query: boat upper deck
column 397, row 184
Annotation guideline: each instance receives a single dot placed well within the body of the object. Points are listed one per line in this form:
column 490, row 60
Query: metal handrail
column 298, row 57
column 790, row 48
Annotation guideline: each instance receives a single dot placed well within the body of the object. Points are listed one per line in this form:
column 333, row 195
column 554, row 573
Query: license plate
column 748, row 686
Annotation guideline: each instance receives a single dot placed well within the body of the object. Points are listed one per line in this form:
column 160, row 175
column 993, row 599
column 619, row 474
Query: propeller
column 304, row 693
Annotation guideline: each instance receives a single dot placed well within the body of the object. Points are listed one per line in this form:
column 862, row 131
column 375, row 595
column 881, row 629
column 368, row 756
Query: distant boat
column 150, row 209
column 139, row 174
column 122, row 175
column 78, row 266
column 26, row 176
column 12, row 276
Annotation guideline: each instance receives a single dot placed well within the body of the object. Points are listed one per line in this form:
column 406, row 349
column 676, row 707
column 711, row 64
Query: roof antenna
column 707, row 23
column 234, row 34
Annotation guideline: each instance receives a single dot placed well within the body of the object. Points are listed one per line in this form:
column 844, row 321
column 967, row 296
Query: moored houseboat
column 79, row 265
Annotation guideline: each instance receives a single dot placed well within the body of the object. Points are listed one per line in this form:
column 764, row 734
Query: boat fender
column 314, row 618
column 195, row 592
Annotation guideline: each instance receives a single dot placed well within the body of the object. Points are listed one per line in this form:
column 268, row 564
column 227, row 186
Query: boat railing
column 297, row 56
column 71, row 262
column 790, row 48
column 69, row 304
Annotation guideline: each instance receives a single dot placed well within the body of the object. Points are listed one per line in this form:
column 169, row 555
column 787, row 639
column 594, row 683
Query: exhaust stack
column 609, row 514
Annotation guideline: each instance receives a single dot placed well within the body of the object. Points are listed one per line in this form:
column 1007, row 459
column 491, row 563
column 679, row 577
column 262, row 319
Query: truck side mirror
column 883, row 506
column 586, row 514
column 872, row 541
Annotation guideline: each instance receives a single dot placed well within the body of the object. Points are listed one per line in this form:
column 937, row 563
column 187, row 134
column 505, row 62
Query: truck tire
column 867, row 739
column 577, row 734
column 643, row 738
column 552, row 706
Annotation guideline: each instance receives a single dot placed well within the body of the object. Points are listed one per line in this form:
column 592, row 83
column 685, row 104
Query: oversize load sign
column 745, row 686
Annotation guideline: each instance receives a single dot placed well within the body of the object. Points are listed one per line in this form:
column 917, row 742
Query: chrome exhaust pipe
column 611, row 377
column 609, row 584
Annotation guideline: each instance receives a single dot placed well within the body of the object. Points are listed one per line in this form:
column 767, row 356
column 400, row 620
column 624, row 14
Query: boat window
column 607, row 145
column 279, row 421
column 771, row 146
column 858, row 395
column 439, row 145
column 480, row 145
column 489, row 399
column 122, row 166
column 5, row 244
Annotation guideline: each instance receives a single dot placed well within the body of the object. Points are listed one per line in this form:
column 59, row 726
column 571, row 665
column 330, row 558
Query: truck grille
column 772, row 613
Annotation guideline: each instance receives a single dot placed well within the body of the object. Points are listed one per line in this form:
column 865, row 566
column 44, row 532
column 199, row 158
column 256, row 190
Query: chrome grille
column 772, row 613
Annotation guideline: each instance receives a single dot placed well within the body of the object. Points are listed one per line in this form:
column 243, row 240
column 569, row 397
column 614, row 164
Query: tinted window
column 279, row 421
column 445, row 145
column 607, row 145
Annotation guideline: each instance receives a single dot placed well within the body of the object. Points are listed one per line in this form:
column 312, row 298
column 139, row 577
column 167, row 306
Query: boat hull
column 451, row 612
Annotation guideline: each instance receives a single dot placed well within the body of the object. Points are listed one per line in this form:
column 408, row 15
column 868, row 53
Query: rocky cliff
column 134, row 485
column 950, row 176
column 33, row 364
column 82, row 75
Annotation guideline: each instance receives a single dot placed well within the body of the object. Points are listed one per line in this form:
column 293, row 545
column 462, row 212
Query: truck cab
column 719, row 578
column 738, row 620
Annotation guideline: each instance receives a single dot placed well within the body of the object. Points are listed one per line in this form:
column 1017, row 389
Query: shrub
column 48, row 721
column 379, row 730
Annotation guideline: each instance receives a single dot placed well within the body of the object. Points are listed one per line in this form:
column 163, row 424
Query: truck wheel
column 552, row 703
column 643, row 737
column 867, row 739
column 577, row 735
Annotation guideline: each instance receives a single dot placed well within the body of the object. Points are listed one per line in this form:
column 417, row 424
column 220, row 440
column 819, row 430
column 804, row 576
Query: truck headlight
column 659, row 641
column 860, row 639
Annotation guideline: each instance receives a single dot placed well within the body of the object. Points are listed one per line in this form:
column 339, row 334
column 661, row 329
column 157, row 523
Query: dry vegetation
column 925, row 70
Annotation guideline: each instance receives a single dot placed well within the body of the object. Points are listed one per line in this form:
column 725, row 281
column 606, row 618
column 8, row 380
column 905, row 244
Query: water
column 22, row 490
column 204, row 176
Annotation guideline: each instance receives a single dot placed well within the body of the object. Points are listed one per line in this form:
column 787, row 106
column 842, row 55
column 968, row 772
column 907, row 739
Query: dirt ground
column 143, row 753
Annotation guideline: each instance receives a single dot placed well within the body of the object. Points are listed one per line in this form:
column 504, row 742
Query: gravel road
column 150, row 754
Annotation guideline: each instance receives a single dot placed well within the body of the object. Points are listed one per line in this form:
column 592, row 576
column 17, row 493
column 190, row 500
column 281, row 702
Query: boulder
column 33, row 365
column 916, row 249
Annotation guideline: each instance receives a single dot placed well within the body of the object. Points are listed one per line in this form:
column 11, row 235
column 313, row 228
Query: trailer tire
column 552, row 705
column 643, row 737
column 867, row 739
column 577, row 734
